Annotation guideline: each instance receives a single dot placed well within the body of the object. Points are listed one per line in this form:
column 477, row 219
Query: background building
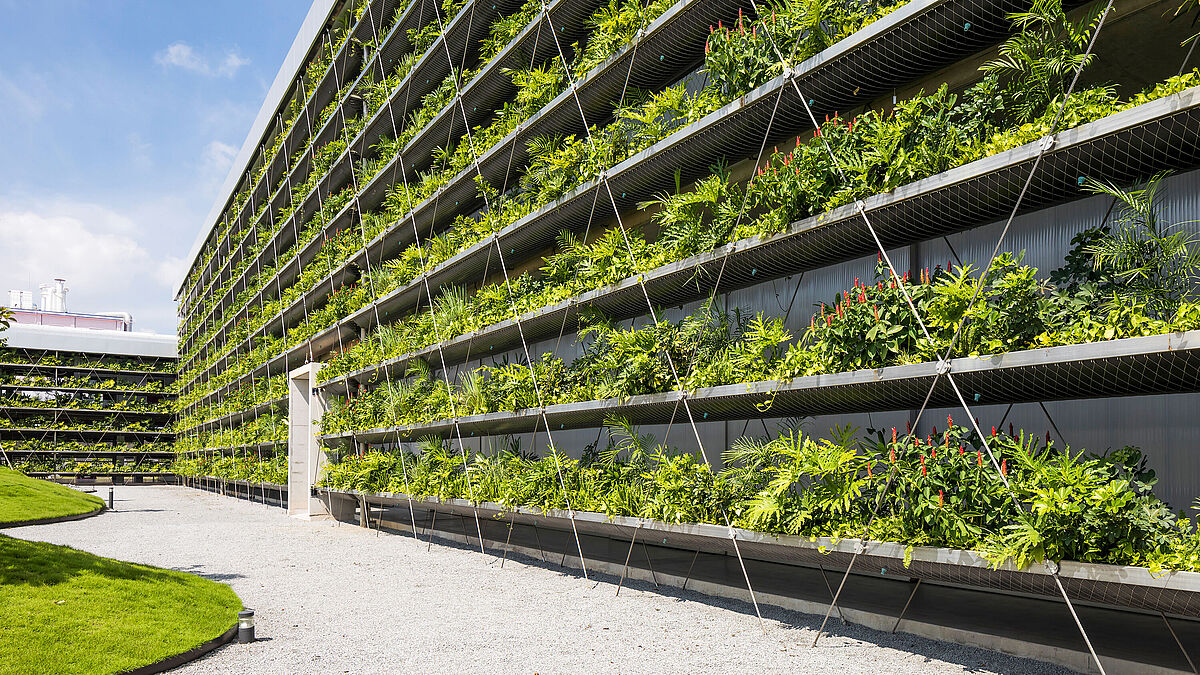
column 53, row 310
column 83, row 404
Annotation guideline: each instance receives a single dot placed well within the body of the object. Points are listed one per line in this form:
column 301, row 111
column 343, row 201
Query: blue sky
column 118, row 123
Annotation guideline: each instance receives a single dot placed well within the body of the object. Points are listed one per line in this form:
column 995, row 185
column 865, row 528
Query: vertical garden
column 808, row 269
column 72, row 414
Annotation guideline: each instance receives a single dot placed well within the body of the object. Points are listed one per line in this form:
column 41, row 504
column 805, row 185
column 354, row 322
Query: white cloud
column 88, row 245
column 183, row 55
column 98, row 251
column 230, row 64
column 169, row 271
column 217, row 157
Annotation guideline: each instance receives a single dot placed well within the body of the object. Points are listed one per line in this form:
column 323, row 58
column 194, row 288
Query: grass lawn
column 24, row 498
column 66, row 611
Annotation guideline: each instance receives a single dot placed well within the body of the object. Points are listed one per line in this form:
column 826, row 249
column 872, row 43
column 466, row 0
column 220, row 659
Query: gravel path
column 338, row 598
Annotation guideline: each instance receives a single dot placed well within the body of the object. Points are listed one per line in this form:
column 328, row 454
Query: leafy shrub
column 941, row 490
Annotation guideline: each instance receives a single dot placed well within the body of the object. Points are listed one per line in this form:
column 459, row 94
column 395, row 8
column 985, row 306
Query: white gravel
column 338, row 598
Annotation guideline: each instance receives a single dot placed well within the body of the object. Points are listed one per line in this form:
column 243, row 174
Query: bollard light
column 246, row 626
column 110, row 499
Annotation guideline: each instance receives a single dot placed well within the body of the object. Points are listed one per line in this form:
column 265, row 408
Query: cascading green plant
column 939, row 490
column 869, row 325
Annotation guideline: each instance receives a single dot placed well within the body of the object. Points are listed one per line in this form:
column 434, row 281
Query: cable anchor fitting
column 943, row 366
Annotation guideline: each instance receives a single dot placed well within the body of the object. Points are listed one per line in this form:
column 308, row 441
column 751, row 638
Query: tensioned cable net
column 84, row 414
column 911, row 42
column 944, row 366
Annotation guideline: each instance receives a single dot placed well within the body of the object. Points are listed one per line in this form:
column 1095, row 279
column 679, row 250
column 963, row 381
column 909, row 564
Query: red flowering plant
column 944, row 491
column 745, row 53
column 868, row 325
column 738, row 58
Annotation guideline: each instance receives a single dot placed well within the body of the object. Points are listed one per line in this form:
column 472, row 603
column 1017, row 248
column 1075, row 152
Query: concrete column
column 305, row 455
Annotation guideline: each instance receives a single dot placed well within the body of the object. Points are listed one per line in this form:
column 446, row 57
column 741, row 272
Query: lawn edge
column 184, row 657
column 55, row 519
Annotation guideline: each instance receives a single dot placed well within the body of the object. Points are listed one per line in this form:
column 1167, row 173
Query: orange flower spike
column 924, row 471
column 979, row 458
column 1004, row 467
column 940, row 499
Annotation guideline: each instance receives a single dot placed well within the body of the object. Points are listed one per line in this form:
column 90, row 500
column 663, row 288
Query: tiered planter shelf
column 132, row 476
column 267, row 493
column 850, row 73
column 1157, row 136
column 297, row 136
column 252, row 448
column 485, row 92
column 1176, row 593
column 50, row 381
column 1139, row 366
column 467, row 28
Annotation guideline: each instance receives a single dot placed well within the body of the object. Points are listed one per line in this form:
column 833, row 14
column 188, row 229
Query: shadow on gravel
column 198, row 570
column 800, row 627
